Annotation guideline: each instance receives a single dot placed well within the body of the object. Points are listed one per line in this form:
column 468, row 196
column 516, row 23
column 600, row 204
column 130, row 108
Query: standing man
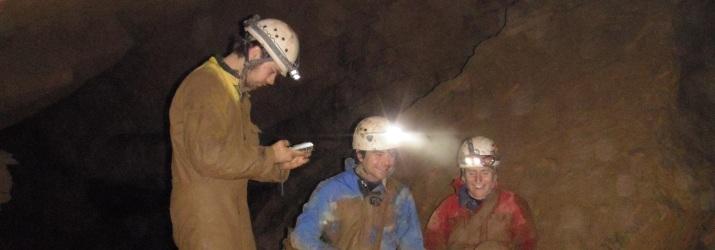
column 478, row 215
column 362, row 207
column 215, row 144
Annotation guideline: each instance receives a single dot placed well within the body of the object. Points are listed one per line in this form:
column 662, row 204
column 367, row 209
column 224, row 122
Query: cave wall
column 603, row 110
column 98, row 135
column 582, row 100
column 93, row 143
column 5, row 177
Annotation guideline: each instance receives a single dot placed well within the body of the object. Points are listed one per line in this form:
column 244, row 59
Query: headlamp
column 479, row 160
column 394, row 134
column 294, row 74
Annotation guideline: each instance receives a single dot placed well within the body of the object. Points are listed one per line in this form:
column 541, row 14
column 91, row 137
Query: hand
column 296, row 162
column 288, row 158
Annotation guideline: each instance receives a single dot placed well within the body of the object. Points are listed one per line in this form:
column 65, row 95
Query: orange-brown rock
column 582, row 99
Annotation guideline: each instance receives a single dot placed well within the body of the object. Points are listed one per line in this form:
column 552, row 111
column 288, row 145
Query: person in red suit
column 479, row 215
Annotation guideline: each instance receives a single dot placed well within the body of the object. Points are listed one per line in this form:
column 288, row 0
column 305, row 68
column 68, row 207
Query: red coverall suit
column 501, row 221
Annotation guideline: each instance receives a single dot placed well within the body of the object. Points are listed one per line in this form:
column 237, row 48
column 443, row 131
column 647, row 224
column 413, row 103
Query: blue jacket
column 337, row 216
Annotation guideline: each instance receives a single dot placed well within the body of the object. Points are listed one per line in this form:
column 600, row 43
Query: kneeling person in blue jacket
column 362, row 207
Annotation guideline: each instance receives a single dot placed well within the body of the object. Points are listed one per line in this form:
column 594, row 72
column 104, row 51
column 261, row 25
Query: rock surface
column 582, row 100
column 603, row 110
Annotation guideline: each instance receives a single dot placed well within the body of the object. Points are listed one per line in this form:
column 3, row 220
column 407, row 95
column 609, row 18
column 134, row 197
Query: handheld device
column 306, row 146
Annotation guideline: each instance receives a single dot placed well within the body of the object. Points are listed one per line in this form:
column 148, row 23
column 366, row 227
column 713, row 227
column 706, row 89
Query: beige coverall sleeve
column 214, row 149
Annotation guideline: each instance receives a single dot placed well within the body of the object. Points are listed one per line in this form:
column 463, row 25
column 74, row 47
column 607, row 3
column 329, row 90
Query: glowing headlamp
column 479, row 160
column 394, row 134
column 391, row 135
column 472, row 161
column 294, row 74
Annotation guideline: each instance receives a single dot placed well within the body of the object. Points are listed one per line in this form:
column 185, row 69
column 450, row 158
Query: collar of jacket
column 463, row 195
column 360, row 172
column 467, row 201
column 372, row 191
column 233, row 72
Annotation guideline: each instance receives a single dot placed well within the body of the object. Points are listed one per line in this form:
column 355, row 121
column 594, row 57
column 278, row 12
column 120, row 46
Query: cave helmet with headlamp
column 377, row 133
column 278, row 39
column 478, row 152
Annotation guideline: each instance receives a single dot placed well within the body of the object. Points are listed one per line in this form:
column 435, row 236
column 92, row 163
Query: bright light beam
column 403, row 138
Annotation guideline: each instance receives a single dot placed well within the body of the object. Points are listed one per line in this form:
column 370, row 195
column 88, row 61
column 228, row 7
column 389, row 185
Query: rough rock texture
column 583, row 100
column 5, row 177
column 47, row 58
column 603, row 110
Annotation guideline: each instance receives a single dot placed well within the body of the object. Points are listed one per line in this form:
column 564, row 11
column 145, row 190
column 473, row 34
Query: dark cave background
column 86, row 87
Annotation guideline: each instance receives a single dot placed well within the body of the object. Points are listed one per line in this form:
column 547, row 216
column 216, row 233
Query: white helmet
column 376, row 133
column 478, row 152
column 279, row 40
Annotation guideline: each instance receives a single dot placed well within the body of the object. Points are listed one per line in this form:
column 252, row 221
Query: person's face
column 378, row 164
column 480, row 182
column 263, row 74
